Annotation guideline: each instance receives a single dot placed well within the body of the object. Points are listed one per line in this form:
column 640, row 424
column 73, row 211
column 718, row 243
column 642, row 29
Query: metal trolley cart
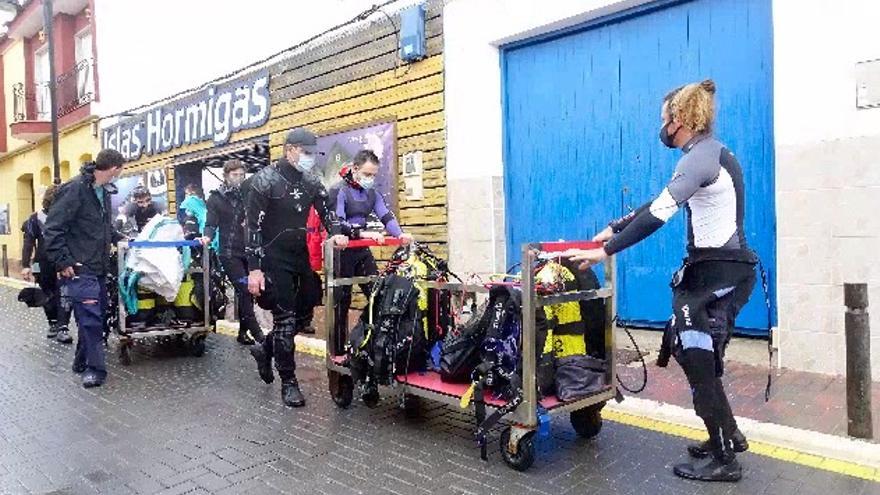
column 517, row 439
column 188, row 334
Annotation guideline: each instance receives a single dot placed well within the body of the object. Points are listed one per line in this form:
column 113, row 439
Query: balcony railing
column 74, row 89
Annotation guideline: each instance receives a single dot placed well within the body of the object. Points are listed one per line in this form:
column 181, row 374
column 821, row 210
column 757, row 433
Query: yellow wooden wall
column 356, row 79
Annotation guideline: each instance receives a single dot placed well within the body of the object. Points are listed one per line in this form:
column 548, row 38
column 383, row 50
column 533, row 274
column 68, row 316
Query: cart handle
column 163, row 244
column 359, row 243
column 555, row 247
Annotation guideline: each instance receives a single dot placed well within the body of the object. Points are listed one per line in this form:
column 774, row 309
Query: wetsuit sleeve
column 689, row 176
column 386, row 216
column 328, row 217
column 29, row 243
column 211, row 218
column 618, row 225
column 257, row 202
column 61, row 215
column 190, row 227
column 340, row 205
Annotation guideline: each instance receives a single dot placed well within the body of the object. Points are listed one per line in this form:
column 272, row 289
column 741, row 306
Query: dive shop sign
column 213, row 114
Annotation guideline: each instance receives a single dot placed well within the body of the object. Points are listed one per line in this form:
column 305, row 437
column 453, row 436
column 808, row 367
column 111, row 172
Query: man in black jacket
column 226, row 219
column 34, row 248
column 278, row 205
column 78, row 237
column 142, row 208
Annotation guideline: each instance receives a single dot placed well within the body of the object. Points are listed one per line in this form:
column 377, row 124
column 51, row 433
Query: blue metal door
column 581, row 120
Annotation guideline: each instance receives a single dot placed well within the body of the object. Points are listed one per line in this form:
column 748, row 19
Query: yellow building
column 26, row 163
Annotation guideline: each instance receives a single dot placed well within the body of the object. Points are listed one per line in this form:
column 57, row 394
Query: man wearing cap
column 277, row 211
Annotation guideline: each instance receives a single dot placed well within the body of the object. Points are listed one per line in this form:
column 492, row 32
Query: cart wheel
column 371, row 397
column 341, row 388
column 524, row 456
column 587, row 422
column 125, row 354
column 412, row 406
column 197, row 346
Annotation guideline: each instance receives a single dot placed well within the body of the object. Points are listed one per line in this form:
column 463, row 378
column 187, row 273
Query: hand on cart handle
column 256, row 282
column 339, row 241
column 377, row 237
column 604, row 236
column 369, row 242
column 587, row 257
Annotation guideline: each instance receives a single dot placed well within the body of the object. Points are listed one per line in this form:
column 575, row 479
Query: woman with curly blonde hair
column 718, row 274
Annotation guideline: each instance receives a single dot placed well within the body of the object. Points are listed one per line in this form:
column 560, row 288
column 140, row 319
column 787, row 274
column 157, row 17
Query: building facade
column 26, row 162
column 353, row 88
column 553, row 111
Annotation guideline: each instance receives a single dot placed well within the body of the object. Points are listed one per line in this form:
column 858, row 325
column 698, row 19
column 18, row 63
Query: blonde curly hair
column 693, row 105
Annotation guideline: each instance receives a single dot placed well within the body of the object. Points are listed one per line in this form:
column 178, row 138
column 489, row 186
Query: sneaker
column 264, row 364
column 91, row 379
column 702, row 450
column 64, row 336
column 243, row 339
column 52, row 332
column 724, row 468
column 291, row 394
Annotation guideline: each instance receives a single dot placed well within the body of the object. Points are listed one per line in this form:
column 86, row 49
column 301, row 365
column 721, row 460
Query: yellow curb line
column 315, row 347
column 15, row 283
column 755, row 447
column 305, row 345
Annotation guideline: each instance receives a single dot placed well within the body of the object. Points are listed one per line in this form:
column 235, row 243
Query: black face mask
column 666, row 138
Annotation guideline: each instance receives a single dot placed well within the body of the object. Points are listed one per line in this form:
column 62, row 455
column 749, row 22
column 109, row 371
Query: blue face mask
column 367, row 182
column 306, row 163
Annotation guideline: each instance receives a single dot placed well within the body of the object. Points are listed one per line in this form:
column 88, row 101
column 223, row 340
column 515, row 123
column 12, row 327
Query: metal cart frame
column 192, row 335
column 517, row 446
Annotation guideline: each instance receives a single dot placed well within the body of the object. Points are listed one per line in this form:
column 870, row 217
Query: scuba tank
column 184, row 308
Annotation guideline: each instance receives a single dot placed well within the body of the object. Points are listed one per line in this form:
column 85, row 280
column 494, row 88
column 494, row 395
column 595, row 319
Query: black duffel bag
column 579, row 376
column 460, row 352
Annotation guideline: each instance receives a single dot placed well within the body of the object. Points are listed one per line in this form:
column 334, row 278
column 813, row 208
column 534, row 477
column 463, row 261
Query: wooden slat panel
column 434, row 142
column 421, row 125
column 432, row 197
column 369, row 33
column 373, row 48
column 401, row 101
column 423, row 122
column 351, row 73
column 430, row 179
column 384, row 80
column 423, row 216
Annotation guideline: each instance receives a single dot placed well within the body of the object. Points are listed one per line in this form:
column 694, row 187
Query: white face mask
column 367, row 182
column 306, row 163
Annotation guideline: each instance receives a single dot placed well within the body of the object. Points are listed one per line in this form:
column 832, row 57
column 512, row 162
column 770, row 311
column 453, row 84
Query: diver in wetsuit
column 718, row 274
column 277, row 210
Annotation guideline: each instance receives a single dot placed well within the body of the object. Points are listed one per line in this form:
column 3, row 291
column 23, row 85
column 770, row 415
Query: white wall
column 473, row 30
column 827, row 176
column 827, row 165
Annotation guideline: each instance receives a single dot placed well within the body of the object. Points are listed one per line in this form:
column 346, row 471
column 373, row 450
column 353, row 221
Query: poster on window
column 341, row 147
column 4, row 219
column 153, row 181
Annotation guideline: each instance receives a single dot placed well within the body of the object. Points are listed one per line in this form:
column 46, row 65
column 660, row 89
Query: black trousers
column 286, row 274
column 357, row 262
column 707, row 297
column 237, row 271
column 308, row 297
column 56, row 309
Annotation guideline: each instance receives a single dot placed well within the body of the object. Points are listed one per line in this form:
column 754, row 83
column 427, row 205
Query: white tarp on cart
column 161, row 269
